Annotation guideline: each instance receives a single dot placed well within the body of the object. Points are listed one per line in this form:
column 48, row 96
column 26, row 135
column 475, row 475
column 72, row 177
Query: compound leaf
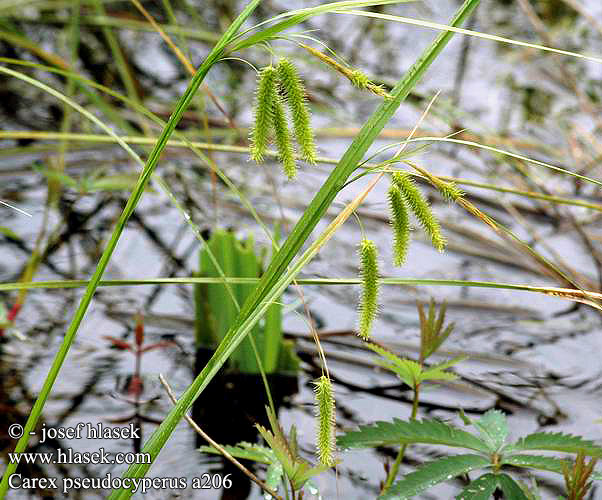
column 412, row 431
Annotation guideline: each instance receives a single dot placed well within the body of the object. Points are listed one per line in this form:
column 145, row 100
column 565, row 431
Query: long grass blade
column 277, row 277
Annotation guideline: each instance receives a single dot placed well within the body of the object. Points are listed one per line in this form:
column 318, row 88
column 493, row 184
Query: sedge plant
column 276, row 276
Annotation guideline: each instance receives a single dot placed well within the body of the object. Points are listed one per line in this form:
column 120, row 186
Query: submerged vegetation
column 238, row 295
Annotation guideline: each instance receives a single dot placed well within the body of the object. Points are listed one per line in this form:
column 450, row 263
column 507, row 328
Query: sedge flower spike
column 294, row 93
column 264, row 112
column 400, row 222
column 325, row 415
column 283, row 139
column 369, row 298
column 420, row 207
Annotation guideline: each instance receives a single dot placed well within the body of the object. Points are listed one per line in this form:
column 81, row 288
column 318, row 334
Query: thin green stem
column 400, row 454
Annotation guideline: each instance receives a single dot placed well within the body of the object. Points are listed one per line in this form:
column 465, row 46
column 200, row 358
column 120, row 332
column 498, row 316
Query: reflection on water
column 534, row 357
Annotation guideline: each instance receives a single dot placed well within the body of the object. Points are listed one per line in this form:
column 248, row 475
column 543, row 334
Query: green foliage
column 480, row 489
column 280, row 272
column 511, row 488
column 215, row 310
column 411, row 431
column 294, row 93
column 369, row 299
column 400, row 223
column 325, row 414
column 297, row 470
column 245, row 451
column 493, row 428
column 432, row 333
column 557, row 441
column 412, row 373
column 264, row 113
column 494, row 452
column 577, row 477
column 431, row 474
column 420, row 208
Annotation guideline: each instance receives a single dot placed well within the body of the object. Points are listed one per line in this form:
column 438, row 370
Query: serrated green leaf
column 407, row 370
column 493, row 428
column 557, row 441
column 437, row 372
column 408, row 432
column 433, row 473
column 479, row 489
column 540, row 462
column 510, row 488
column 246, row 451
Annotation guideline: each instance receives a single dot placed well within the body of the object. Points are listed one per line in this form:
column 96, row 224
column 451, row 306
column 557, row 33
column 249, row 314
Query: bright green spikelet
column 294, row 92
column 420, row 208
column 283, row 139
column 450, row 191
column 369, row 299
column 264, row 119
column 400, row 222
column 325, row 415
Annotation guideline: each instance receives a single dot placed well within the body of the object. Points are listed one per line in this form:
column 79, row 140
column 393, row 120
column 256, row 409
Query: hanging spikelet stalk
column 264, row 113
column 325, row 415
column 449, row 190
column 294, row 93
column 420, row 207
column 283, row 139
column 369, row 299
column 400, row 223
column 355, row 76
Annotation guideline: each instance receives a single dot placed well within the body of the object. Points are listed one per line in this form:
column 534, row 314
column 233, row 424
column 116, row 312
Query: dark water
column 532, row 356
